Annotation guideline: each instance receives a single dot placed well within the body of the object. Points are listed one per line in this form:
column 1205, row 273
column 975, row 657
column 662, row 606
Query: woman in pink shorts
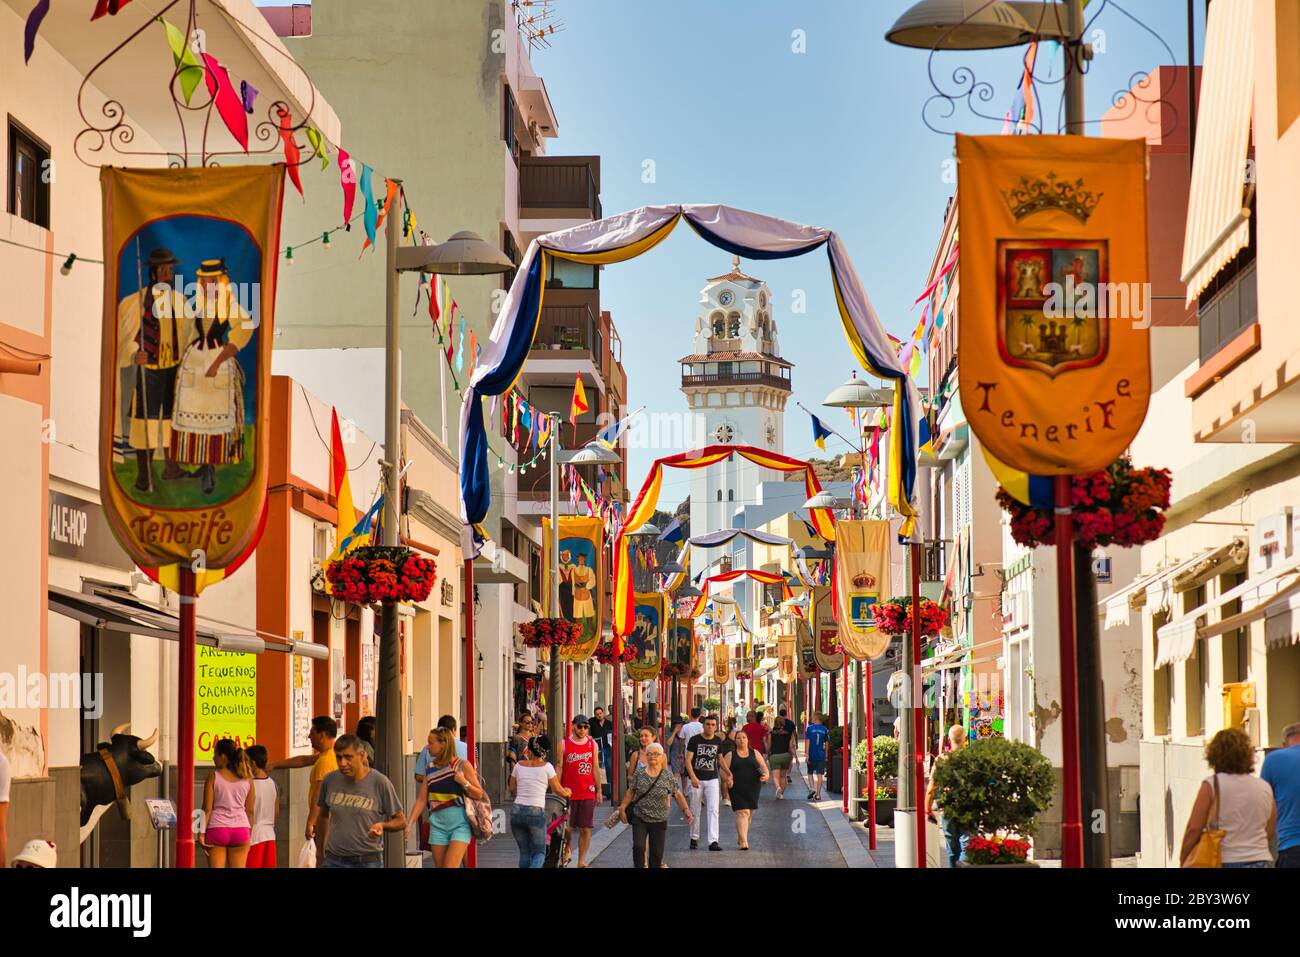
column 227, row 807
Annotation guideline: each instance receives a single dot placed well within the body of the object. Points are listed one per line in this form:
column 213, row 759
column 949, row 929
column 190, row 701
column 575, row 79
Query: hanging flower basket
column 606, row 655
column 1121, row 505
column 550, row 632
column 894, row 617
column 670, row 670
column 744, row 675
column 381, row 573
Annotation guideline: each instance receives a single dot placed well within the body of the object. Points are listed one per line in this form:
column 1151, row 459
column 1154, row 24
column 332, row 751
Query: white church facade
column 737, row 384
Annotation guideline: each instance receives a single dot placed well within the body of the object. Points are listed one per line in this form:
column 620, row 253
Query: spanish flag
column 345, row 537
column 579, row 405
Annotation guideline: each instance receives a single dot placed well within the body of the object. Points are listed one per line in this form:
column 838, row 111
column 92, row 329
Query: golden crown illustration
column 864, row 581
column 1031, row 196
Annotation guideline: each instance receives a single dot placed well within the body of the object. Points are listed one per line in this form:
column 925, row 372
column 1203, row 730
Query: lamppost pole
column 388, row 705
column 555, row 692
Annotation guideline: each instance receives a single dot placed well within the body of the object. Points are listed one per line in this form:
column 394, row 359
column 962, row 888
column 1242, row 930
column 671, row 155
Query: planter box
column 998, row 867
column 834, row 769
column 884, row 810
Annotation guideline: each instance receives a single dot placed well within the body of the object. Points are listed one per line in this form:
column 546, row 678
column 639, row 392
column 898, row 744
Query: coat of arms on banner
column 1049, row 318
column 863, row 599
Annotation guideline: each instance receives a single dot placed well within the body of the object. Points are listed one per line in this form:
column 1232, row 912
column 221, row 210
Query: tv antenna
column 536, row 21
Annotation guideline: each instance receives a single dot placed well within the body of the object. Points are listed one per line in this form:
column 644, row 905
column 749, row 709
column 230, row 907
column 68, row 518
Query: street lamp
column 591, row 454
column 823, row 499
column 972, row 25
column 858, row 394
column 464, row 254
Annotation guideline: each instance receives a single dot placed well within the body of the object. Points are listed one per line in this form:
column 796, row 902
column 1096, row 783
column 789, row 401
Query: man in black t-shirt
column 703, row 762
column 602, row 732
column 783, row 742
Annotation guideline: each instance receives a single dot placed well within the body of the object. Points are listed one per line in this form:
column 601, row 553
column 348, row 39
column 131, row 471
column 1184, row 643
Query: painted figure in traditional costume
column 208, row 425
column 643, row 639
column 566, row 584
column 584, row 607
column 150, row 323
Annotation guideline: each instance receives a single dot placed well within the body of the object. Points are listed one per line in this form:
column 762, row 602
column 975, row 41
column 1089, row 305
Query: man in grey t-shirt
column 357, row 804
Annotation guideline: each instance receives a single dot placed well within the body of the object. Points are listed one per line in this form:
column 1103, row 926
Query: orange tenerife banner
column 648, row 499
column 647, row 637
column 861, row 583
column 1056, row 365
column 828, row 651
column 582, row 579
column 721, row 664
column 189, row 298
column 765, row 578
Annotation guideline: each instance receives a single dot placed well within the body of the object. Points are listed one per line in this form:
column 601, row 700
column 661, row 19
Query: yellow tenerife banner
column 1056, row 366
column 827, row 649
column 721, row 663
column 582, row 579
column 190, row 259
column 861, row 583
column 647, row 636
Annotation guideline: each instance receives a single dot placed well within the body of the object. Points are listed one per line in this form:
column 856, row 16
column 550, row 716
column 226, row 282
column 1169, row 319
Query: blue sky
column 713, row 93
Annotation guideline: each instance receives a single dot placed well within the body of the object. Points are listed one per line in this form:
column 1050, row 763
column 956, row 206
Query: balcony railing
column 558, row 183
column 568, row 329
column 934, row 565
column 1233, row 309
column 737, row 378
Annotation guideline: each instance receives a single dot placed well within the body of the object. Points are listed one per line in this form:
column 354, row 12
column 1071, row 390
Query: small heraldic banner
column 1056, row 365
column 861, row 583
column 189, row 295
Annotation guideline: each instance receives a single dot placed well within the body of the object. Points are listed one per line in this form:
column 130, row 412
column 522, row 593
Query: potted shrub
column 993, row 790
column 711, row 705
column 885, row 754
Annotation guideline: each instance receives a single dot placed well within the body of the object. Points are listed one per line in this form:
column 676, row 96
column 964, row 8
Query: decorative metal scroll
column 112, row 130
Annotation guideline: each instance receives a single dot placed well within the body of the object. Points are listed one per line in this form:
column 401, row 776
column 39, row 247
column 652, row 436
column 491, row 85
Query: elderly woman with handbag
column 1234, row 818
column 646, row 804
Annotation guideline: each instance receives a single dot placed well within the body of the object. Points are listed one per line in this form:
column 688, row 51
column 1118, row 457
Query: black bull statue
column 108, row 772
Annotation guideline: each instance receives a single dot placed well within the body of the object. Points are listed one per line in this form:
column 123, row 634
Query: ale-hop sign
column 1055, row 303
column 189, row 296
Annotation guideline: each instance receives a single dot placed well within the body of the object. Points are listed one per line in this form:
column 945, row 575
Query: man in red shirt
column 579, row 760
column 756, row 731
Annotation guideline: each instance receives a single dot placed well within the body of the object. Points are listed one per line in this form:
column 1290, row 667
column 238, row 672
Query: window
column 731, row 495
column 719, row 495
column 511, row 250
column 570, row 275
column 1194, row 672
column 718, row 328
column 1162, row 690
column 508, row 121
column 1236, row 647
column 1288, row 65
column 733, row 326
column 29, row 186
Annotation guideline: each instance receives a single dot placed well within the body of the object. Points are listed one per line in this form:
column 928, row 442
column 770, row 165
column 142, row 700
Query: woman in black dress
column 746, row 774
column 728, row 746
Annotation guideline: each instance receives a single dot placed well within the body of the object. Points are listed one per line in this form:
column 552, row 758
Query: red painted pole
column 1071, row 811
column 616, row 748
column 185, row 723
column 471, row 855
column 871, row 762
column 844, row 746
column 918, row 715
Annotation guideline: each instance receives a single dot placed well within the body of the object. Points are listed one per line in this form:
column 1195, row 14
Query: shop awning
column 132, row 616
column 1175, row 641
column 1264, row 596
column 1157, row 589
column 1282, row 620
column 1217, row 216
column 764, row 666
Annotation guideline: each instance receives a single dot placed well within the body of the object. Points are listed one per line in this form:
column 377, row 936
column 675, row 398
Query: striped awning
column 1217, row 220
column 1282, row 622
